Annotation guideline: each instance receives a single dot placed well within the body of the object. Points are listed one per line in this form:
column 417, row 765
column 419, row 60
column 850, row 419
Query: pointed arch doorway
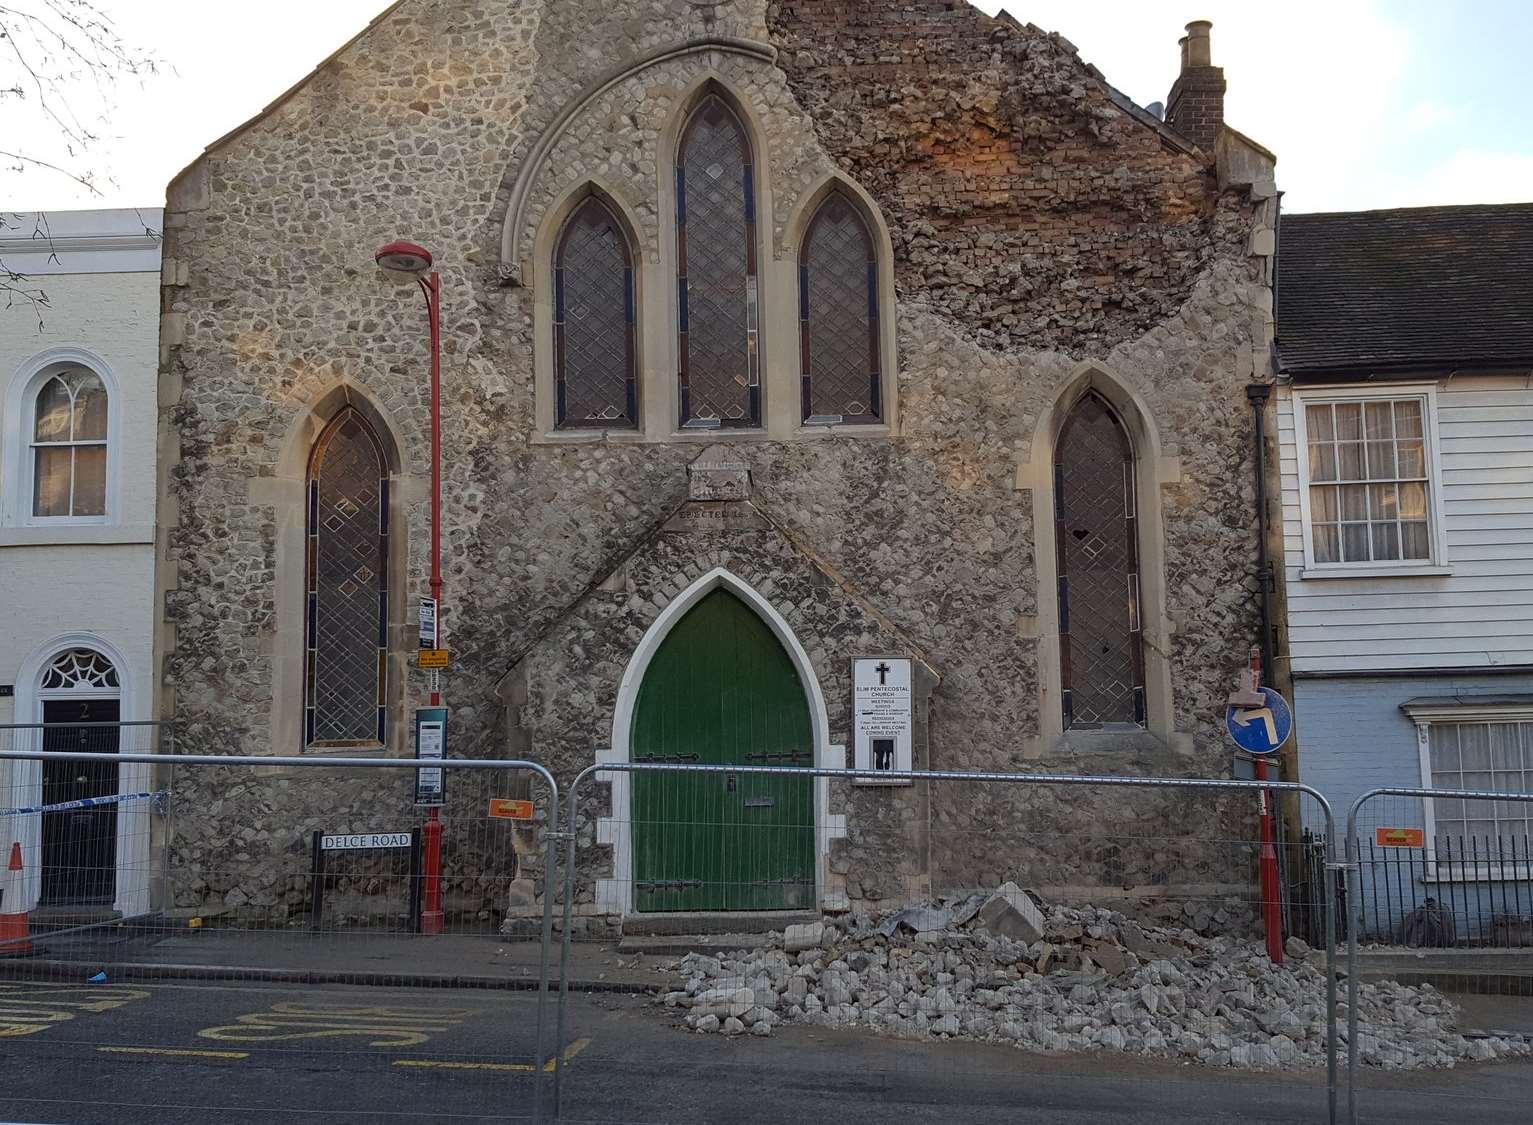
column 721, row 689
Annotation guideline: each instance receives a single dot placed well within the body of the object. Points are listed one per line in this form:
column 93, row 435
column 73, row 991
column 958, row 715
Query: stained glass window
column 838, row 317
column 594, row 322
column 347, row 605
column 69, row 446
column 716, row 256
column 1097, row 540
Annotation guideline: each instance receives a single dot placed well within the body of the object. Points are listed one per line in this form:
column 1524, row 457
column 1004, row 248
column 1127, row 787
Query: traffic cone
column 14, row 926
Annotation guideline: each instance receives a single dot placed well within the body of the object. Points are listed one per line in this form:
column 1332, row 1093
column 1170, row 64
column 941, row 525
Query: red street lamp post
column 404, row 262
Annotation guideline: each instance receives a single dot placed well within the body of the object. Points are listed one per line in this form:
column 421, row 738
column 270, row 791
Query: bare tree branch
column 60, row 65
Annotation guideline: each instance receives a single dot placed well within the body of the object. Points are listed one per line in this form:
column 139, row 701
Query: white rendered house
column 78, row 358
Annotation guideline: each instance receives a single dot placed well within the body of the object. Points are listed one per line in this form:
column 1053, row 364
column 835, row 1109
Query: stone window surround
column 1435, row 565
column 284, row 492
column 16, row 445
column 1424, row 716
column 655, row 297
column 1153, row 471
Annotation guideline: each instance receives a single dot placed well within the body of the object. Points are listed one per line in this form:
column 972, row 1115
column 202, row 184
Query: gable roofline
column 281, row 99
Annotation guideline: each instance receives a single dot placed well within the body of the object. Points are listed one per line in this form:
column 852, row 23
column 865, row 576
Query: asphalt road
column 183, row 1052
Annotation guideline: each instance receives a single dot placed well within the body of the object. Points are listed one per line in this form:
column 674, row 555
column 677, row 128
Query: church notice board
column 882, row 717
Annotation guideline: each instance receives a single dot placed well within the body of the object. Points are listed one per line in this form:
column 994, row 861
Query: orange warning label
column 510, row 810
column 1399, row 837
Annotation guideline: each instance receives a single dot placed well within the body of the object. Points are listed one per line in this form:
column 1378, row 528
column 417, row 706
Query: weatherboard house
column 1405, row 338
column 781, row 341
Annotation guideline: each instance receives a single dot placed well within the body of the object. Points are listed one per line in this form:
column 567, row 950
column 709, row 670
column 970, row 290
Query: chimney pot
column 1197, row 49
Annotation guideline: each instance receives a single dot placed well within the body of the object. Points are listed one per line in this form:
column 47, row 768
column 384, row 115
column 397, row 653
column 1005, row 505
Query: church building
column 782, row 342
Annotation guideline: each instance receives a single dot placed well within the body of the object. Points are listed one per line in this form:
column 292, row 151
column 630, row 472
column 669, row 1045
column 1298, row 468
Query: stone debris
column 1011, row 913
column 1090, row 979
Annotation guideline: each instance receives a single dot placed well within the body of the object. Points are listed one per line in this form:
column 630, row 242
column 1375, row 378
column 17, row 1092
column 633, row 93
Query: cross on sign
column 883, row 673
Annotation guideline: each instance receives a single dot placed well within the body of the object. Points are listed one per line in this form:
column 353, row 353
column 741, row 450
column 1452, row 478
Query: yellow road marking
column 380, row 1026
column 26, row 1009
column 437, row 1064
column 176, row 1051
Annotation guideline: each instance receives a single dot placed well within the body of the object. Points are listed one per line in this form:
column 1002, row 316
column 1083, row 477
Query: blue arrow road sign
column 1260, row 730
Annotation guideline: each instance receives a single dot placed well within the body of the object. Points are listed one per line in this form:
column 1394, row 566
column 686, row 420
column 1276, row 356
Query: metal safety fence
column 1119, row 916
column 1439, row 955
column 236, row 912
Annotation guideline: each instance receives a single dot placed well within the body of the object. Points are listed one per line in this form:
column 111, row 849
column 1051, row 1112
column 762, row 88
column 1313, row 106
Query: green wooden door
column 721, row 690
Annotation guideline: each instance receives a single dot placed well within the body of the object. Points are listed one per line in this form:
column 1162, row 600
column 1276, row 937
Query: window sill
column 588, row 437
column 75, row 534
column 1312, row 572
column 854, row 429
column 372, row 750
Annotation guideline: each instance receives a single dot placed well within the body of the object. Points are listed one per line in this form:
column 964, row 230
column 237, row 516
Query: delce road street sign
column 1260, row 730
column 431, row 745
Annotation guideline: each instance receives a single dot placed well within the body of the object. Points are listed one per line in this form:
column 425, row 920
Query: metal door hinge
column 667, row 884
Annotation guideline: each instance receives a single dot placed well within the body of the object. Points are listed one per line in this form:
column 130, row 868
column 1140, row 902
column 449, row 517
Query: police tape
column 88, row 803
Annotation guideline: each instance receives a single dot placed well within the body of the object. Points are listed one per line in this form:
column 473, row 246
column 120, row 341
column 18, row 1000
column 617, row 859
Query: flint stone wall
column 1036, row 228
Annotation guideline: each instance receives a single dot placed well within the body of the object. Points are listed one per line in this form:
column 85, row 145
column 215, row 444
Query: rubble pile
column 1000, row 968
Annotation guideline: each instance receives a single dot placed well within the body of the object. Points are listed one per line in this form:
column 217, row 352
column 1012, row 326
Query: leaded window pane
column 1098, row 558
column 594, row 322
column 838, row 315
column 716, row 253
column 347, row 605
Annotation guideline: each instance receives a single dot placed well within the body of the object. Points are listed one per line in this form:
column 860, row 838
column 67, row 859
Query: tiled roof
column 1416, row 289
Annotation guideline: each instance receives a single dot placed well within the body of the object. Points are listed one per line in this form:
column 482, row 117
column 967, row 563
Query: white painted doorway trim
column 615, row 895
column 130, row 893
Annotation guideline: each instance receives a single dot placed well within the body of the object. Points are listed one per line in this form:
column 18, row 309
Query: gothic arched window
column 1097, row 537
column 594, row 358
column 838, row 317
column 346, row 624
column 69, row 445
column 716, row 259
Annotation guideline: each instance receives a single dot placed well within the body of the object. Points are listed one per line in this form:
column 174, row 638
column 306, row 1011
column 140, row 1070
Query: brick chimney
column 1195, row 107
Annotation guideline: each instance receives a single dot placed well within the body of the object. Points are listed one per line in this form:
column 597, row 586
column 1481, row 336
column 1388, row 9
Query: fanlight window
column 346, row 622
column 69, row 446
column 716, row 254
column 80, row 669
column 838, row 318
column 594, row 322
column 1097, row 537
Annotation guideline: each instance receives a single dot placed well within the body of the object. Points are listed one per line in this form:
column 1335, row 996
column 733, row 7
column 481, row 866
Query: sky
column 1367, row 103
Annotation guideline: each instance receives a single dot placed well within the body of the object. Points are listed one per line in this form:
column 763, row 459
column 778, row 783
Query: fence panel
column 1135, row 935
column 268, row 919
column 1441, row 900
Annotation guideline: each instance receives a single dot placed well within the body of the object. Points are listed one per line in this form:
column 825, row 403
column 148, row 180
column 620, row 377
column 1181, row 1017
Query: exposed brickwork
column 1195, row 108
column 1022, row 199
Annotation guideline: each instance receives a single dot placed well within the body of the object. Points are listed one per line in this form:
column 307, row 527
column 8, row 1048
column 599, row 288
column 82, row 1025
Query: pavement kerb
column 81, row 971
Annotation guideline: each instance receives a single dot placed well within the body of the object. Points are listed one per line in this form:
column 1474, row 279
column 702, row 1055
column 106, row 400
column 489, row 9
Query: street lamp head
column 403, row 262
